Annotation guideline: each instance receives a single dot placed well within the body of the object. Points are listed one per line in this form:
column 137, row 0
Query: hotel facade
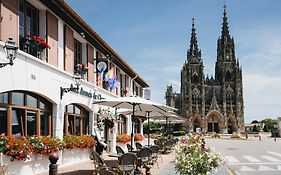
column 38, row 94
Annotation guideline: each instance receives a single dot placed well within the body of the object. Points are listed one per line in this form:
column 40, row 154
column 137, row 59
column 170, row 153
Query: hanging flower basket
column 81, row 69
column 109, row 123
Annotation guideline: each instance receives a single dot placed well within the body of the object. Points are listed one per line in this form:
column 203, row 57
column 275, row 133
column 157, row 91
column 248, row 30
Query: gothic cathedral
column 211, row 104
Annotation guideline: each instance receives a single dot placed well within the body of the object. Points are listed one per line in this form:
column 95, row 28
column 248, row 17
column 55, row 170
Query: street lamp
column 11, row 49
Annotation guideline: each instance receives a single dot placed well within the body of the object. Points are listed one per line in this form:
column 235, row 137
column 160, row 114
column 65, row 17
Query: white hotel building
column 31, row 97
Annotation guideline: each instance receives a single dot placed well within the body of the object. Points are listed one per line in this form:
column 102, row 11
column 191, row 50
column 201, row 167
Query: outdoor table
column 114, row 155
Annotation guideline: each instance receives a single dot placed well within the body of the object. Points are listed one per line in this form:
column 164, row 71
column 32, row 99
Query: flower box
column 35, row 42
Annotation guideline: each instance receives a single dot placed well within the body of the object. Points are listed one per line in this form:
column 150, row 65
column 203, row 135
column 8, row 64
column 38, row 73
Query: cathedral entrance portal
column 214, row 120
column 197, row 125
column 231, row 126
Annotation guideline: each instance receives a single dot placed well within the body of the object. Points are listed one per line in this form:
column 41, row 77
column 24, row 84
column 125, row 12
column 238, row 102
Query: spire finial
column 193, row 25
column 225, row 31
column 193, row 50
column 224, row 10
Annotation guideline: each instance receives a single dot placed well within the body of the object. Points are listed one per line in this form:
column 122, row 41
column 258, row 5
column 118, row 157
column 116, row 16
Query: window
column 122, row 124
column 76, row 120
column 28, row 25
column 77, row 53
column 30, row 114
column 3, row 119
column 4, row 98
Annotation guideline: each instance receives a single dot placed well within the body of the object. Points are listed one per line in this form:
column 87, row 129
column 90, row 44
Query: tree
column 270, row 123
column 265, row 128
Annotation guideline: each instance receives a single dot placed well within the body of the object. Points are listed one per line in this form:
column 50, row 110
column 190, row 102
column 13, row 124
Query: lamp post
column 11, row 49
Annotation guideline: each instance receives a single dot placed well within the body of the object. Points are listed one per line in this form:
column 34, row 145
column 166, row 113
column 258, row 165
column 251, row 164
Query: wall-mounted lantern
column 11, row 49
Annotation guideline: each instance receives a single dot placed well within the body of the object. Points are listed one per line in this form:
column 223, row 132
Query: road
column 249, row 157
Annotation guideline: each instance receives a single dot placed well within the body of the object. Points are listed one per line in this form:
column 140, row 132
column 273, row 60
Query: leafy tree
column 270, row 123
column 265, row 128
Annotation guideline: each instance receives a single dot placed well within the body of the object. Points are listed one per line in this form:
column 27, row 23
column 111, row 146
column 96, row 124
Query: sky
column 153, row 36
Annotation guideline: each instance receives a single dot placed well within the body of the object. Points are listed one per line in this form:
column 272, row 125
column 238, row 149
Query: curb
column 229, row 170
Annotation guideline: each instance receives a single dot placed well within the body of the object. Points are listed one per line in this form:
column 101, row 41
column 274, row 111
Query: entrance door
column 216, row 127
column 210, row 127
column 229, row 129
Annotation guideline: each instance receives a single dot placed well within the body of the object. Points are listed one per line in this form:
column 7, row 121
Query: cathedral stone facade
column 211, row 104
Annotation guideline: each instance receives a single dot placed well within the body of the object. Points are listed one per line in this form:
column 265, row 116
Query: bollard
column 53, row 167
column 246, row 136
column 260, row 137
column 275, row 137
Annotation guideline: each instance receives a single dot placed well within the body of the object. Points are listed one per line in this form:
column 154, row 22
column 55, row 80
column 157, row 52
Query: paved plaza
column 251, row 156
column 241, row 157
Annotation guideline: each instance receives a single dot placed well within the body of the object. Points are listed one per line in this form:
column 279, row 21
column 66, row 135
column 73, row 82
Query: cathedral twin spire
column 225, row 31
column 225, row 50
column 193, row 51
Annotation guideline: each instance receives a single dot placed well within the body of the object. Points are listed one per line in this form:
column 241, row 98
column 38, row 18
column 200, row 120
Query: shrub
column 235, row 136
column 178, row 133
column 265, row 128
column 216, row 135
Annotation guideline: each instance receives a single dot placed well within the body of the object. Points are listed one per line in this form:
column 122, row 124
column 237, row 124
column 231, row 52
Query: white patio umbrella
column 134, row 103
column 153, row 115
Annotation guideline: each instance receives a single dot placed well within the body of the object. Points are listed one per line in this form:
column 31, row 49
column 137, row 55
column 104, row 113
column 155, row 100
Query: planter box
column 74, row 156
column 37, row 164
column 40, row 164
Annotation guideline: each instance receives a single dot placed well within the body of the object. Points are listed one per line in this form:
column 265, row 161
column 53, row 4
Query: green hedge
column 178, row 133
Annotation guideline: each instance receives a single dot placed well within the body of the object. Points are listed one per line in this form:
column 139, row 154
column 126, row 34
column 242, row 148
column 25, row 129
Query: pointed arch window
column 229, row 95
column 195, row 78
column 196, row 96
column 228, row 76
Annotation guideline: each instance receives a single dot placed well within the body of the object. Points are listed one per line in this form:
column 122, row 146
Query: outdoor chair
column 99, row 165
column 168, row 146
column 119, row 150
column 145, row 157
column 161, row 147
column 105, row 171
column 155, row 152
column 98, row 162
column 130, row 148
column 138, row 146
column 127, row 163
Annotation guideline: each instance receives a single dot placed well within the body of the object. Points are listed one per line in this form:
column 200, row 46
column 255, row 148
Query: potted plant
column 138, row 137
column 192, row 157
column 124, row 138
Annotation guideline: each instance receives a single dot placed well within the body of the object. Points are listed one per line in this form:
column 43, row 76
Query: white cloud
column 261, row 96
